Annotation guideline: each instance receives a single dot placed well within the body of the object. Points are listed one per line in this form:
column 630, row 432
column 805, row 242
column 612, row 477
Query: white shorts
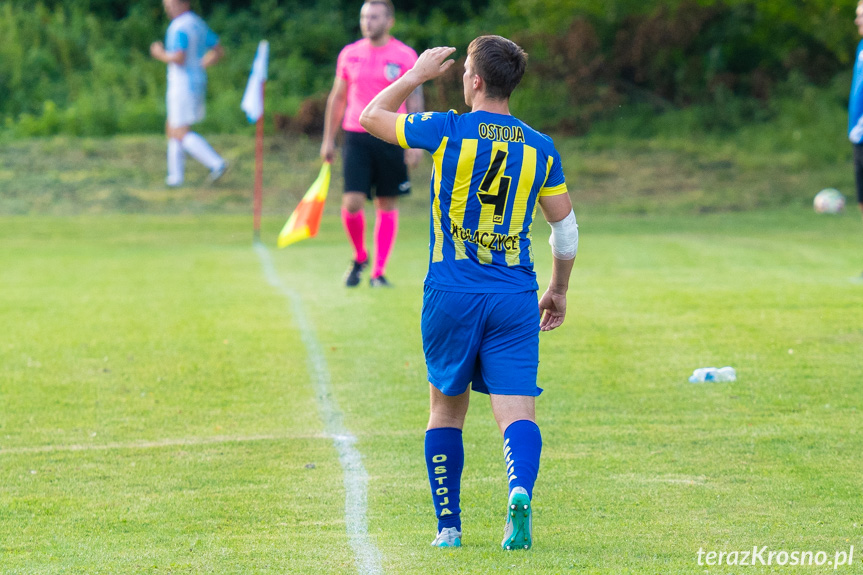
column 184, row 108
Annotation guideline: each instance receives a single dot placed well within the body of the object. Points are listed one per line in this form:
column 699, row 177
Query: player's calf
column 444, row 454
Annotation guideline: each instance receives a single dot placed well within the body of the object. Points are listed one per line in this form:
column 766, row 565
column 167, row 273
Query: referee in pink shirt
column 364, row 68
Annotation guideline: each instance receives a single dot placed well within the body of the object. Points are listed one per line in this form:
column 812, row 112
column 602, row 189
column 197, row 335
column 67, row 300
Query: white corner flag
column 253, row 98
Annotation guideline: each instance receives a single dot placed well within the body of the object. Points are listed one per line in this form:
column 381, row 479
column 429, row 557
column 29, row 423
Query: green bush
column 83, row 66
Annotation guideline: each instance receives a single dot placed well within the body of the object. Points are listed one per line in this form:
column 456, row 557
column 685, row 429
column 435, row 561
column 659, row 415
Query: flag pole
column 253, row 106
column 259, row 169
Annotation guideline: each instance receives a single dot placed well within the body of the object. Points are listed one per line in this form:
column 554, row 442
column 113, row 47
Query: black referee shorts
column 372, row 163
column 858, row 171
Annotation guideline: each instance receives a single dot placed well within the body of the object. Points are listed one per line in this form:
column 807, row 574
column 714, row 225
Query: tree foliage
column 83, row 66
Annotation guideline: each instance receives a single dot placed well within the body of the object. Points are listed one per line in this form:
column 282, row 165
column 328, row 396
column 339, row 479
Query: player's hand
column 433, row 62
column 328, row 151
column 552, row 307
column 157, row 49
column 413, row 157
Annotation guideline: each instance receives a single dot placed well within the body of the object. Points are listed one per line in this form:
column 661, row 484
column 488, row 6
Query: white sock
column 175, row 162
column 198, row 148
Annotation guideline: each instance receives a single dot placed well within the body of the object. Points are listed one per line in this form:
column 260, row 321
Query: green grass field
column 158, row 411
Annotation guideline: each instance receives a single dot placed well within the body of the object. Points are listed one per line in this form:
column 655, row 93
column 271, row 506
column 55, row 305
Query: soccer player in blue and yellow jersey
column 480, row 318
column 855, row 109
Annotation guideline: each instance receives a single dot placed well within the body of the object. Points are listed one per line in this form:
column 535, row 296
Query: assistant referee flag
column 306, row 219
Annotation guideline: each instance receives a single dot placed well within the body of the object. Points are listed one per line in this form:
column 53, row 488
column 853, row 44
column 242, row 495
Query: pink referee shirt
column 368, row 70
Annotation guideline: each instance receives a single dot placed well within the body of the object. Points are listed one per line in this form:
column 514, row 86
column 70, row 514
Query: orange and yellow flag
column 306, row 219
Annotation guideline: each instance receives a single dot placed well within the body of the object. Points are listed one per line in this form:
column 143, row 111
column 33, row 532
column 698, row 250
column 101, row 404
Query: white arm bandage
column 564, row 237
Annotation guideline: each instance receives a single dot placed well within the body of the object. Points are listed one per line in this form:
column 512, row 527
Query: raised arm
column 379, row 117
column 414, row 104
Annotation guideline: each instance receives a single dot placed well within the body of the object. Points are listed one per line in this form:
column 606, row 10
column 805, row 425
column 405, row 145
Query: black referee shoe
column 352, row 277
column 379, row 281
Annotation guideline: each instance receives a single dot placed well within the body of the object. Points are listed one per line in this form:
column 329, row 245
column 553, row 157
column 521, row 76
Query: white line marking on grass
column 355, row 477
column 186, row 442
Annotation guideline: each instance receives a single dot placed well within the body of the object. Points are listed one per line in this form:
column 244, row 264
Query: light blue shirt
column 190, row 34
column 855, row 102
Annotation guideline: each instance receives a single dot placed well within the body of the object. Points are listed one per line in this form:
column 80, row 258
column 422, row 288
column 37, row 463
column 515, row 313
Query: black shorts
column 858, row 171
column 369, row 161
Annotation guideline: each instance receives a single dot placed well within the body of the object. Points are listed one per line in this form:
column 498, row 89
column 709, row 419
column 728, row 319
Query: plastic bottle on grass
column 708, row 374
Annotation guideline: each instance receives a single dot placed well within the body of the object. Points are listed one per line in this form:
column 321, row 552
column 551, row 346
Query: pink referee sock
column 386, row 228
column 355, row 226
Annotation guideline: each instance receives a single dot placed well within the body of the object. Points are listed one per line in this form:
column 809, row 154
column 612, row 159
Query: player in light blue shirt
column 480, row 318
column 190, row 48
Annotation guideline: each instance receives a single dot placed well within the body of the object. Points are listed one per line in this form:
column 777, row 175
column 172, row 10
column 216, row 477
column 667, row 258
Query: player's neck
column 482, row 104
column 381, row 41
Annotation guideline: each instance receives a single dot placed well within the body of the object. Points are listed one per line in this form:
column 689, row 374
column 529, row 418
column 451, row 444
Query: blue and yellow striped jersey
column 489, row 171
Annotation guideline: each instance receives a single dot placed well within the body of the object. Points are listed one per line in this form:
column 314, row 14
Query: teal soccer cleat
column 448, row 537
column 517, row 533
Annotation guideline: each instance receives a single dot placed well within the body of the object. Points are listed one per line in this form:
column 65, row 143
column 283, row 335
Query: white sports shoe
column 216, row 174
column 448, row 537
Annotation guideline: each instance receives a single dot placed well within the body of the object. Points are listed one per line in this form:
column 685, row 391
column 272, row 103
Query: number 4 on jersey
column 496, row 198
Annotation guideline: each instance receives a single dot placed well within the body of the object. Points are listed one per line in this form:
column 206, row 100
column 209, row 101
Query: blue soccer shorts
column 491, row 340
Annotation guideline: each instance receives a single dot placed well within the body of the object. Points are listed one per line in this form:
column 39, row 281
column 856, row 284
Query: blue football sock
column 522, row 444
column 445, row 459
